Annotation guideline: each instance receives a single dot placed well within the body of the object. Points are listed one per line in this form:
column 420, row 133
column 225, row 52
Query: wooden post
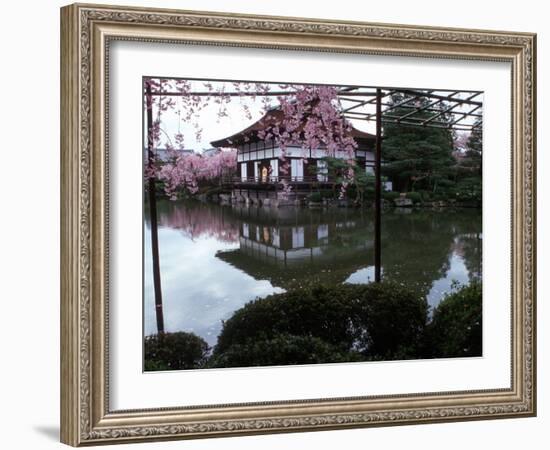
column 378, row 189
column 151, row 190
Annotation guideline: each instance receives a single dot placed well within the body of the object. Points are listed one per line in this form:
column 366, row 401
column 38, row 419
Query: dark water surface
column 214, row 258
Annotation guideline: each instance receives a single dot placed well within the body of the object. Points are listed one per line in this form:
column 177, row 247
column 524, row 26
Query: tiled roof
column 249, row 134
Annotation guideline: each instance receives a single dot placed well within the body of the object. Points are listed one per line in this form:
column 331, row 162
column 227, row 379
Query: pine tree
column 470, row 167
column 416, row 157
column 474, row 147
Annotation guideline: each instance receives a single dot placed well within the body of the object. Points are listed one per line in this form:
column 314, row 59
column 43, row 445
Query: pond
column 216, row 258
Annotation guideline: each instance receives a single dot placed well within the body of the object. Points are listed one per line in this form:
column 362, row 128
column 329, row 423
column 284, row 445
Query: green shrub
column 416, row 197
column 152, row 365
column 426, row 196
column 390, row 195
column 282, row 349
column 440, row 196
column 456, row 326
column 175, row 351
column 469, row 190
column 324, row 324
column 369, row 192
column 315, row 197
column 351, row 192
column 444, row 184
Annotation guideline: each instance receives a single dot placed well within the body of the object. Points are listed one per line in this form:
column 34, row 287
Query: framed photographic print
column 280, row 224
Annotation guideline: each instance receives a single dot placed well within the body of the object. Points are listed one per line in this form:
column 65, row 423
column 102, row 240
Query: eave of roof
column 248, row 134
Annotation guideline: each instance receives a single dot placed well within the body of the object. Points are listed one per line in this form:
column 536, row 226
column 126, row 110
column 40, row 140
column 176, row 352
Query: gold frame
column 86, row 31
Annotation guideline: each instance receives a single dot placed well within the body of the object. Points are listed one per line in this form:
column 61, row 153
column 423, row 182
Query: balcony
column 271, row 182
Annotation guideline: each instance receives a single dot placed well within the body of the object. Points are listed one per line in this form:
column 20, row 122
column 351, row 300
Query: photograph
column 301, row 223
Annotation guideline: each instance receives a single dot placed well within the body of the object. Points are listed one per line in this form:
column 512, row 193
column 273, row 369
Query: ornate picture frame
column 86, row 34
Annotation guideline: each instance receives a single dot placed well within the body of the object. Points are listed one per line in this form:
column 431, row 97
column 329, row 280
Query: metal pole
column 378, row 189
column 153, row 213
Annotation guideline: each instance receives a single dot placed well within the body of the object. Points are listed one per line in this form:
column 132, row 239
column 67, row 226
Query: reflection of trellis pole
column 151, row 189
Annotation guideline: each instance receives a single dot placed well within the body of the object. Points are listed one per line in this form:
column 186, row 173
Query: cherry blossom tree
column 187, row 171
column 312, row 119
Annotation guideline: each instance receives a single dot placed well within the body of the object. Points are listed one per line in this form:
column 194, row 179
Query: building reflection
column 294, row 247
column 291, row 244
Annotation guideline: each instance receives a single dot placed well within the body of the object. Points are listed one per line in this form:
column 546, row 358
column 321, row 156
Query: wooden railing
column 280, row 178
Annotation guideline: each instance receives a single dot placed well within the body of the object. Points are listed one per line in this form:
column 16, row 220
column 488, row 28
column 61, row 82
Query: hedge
column 175, row 351
column 324, row 324
column 456, row 326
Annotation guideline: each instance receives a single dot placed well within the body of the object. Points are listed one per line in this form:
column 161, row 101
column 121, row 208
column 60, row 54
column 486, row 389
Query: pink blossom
column 185, row 172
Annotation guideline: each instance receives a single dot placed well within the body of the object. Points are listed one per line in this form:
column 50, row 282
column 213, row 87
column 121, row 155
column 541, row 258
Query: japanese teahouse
column 259, row 172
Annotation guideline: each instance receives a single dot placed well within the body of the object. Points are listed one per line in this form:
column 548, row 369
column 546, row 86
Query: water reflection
column 214, row 258
column 294, row 247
